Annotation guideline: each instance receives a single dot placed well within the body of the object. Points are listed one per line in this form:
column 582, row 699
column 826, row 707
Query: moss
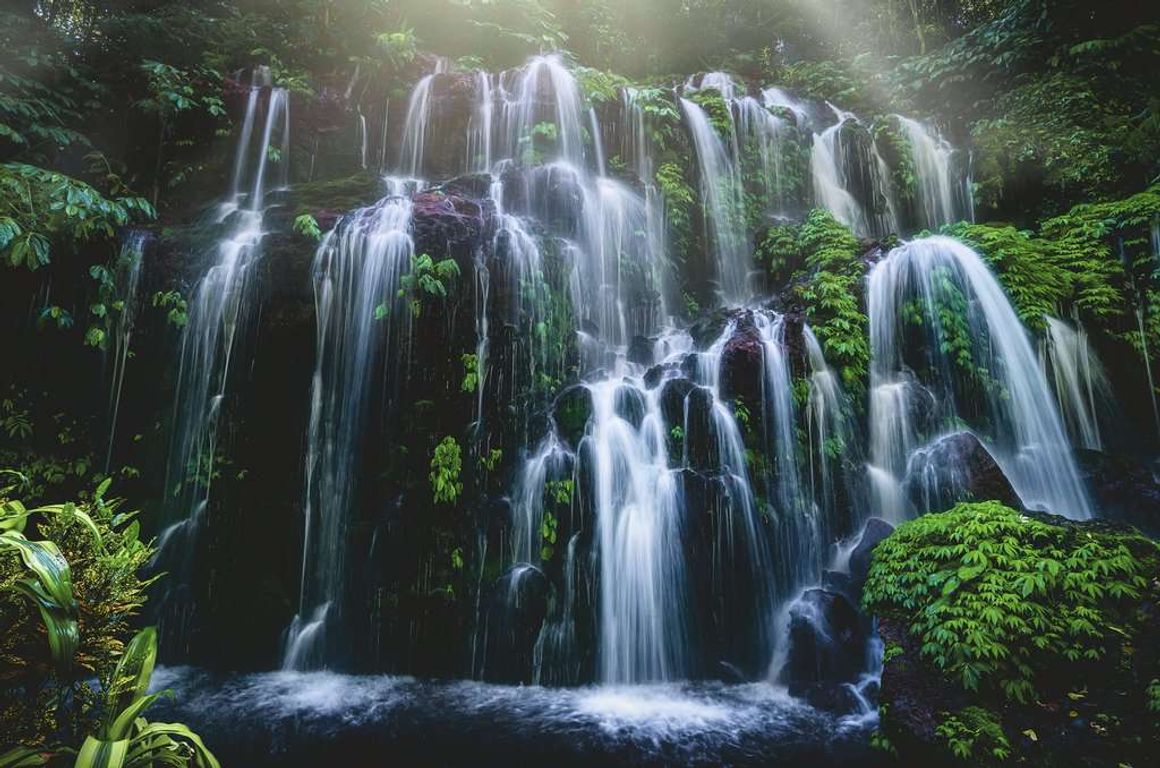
column 345, row 194
column 1021, row 616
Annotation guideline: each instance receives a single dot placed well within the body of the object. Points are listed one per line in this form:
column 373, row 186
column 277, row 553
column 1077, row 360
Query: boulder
column 630, row 405
column 743, row 365
column 955, row 468
column 640, row 351
column 519, row 604
column 1123, row 489
column 571, row 412
column 875, row 530
column 827, row 642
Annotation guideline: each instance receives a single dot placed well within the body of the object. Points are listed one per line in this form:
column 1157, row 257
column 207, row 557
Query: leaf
column 130, row 681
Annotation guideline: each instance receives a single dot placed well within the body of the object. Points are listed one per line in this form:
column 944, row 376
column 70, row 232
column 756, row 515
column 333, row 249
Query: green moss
column 344, row 194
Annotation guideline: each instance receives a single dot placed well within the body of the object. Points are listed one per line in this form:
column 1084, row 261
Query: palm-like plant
column 125, row 739
column 122, row 737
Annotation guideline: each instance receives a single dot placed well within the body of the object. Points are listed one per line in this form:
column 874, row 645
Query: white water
column 724, row 206
column 219, row 314
column 1024, row 431
column 1082, row 388
column 933, row 159
column 362, row 328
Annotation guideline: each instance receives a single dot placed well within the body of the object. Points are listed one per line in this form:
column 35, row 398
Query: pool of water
column 300, row 719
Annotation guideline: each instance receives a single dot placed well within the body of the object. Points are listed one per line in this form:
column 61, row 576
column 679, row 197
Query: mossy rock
column 1018, row 638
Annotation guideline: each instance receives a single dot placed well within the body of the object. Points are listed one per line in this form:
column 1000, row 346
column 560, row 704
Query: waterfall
column 643, row 629
column 479, row 126
column 724, row 206
column 362, row 322
column 126, row 279
column 528, row 118
column 1082, row 388
column 851, row 179
column 417, row 123
column 831, row 436
column 975, row 357
column 933, row 156
column 220, row 312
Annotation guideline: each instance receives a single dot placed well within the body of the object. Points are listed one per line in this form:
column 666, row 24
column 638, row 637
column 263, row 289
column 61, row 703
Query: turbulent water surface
column 307, row 718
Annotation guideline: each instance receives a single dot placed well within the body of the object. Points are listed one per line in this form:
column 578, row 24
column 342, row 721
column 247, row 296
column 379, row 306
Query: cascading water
column 927, row 299
column 1082, row 388
column 417, row 124
column 362, row 327
column 691, row 522
column 940, row 194
column 834, row 160
column 724, row 206
column 220, row 312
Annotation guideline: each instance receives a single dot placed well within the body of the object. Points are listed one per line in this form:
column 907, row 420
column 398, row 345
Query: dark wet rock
column 656, row 374
column 519, row 603
column 838, row 698
column 836, row 581
column 571, row 412
column 450, row 220
column 1123, row 489
column 708, row 329
column 956, row 468
column 875, row 530
column 743, row 365
column 473, row 185
column 700, row 432
column 672, row 397
column 630, row 405
column 917, row 696
column 640, row 351
column 827, row 641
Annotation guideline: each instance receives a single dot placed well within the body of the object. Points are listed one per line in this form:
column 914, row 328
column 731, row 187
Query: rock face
column 1124, row 490
column 570, row 412
column 956, row 468
column 743, row 365
column 519, row 603
column 875, row 530
column 827, row 647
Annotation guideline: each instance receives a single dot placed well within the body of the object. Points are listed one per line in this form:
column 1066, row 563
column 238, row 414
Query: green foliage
column 974, row 734
column 831, row 293
column 679, row 202
column 175, row 306
column 716, row 109
column 1028, row 267
column 41, row 209
column 83, row 579
column 492, row 459
column 307, row 226
column 560, row 492
column 446, row 465
column 997, row 598
column 1020, row 615
column 549, row 526
column 470, row 372
column 599, row 87
column 125, row 739
column 427, row 279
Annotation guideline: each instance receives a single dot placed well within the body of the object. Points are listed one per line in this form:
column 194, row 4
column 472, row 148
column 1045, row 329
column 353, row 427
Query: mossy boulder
column 1017, row 639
